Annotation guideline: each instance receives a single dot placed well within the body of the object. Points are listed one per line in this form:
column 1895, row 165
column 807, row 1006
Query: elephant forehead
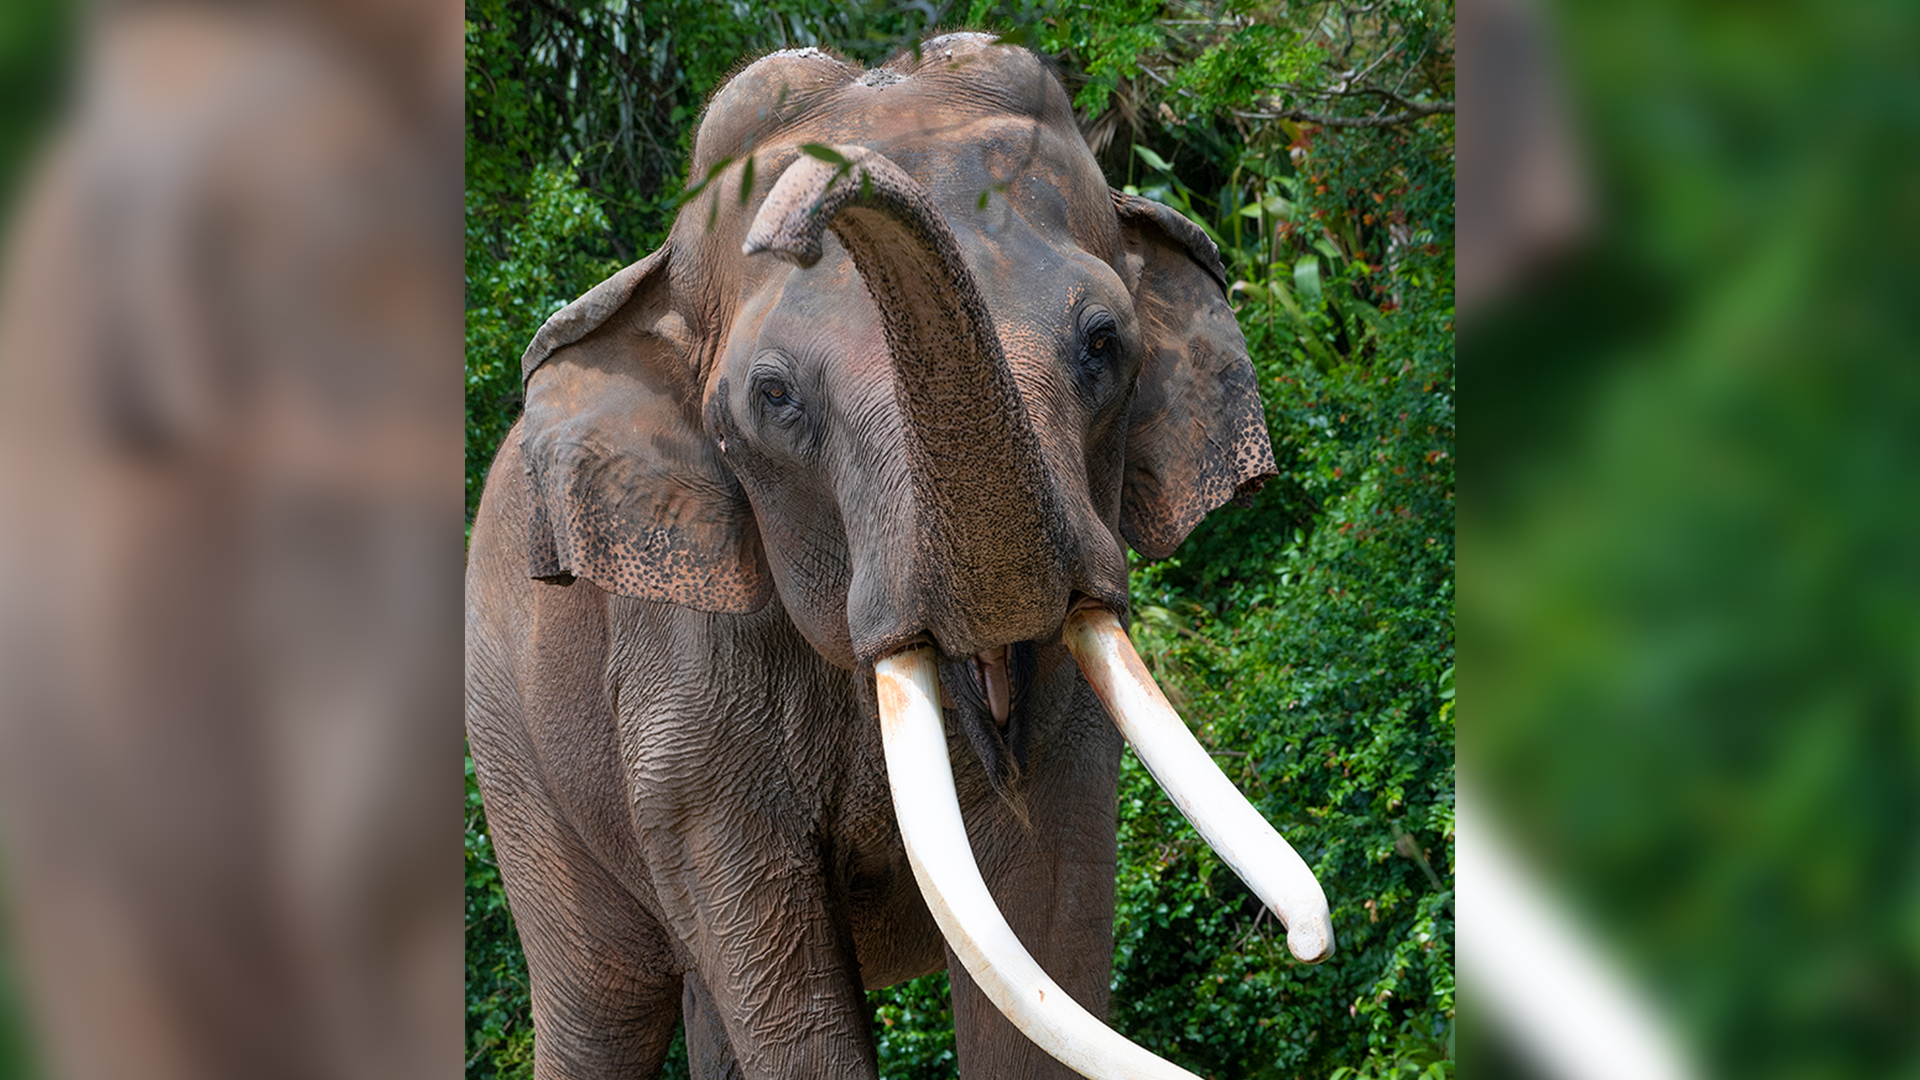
column 1047, row 177
column 975, row 66
column 1033, row 278
column 822, row 314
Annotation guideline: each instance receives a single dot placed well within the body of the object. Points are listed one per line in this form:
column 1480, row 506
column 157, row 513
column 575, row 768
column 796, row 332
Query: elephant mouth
column 987, row 695
column 907, row 685
column 991, row 675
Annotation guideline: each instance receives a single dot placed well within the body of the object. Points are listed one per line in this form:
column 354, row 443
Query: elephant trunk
column 980, row 481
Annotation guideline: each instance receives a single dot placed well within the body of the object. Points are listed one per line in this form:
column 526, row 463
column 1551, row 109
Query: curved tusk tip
column 1312, row 940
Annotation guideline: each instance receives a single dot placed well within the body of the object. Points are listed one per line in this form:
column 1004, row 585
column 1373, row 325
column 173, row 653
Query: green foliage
column 1314, row 650
column 1309, row 636
column 913, row 1029
column 19, row 1059
column 524, row 262
column 1183, row 59
column 1110, row 50
column 36, row 45
column 1246, row 66
column 1694, row 598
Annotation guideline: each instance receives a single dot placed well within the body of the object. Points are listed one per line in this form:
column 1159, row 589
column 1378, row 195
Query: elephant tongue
column 990, row 667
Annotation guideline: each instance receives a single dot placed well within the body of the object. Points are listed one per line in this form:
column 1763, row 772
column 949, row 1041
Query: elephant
column 796, row 597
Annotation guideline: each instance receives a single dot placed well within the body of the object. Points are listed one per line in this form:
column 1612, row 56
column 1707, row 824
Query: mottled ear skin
column 627, row 490
column 1196, row 433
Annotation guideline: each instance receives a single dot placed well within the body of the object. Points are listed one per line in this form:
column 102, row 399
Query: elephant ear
column 1196, row 435
column 627, row 490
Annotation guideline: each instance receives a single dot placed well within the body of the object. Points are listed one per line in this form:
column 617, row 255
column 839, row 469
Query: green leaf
column 692, row 190
column 826, row 153
column 1306, row 279
column 1159, row 193
column 1304, row 332
column 1152, row 159
column 746, row 181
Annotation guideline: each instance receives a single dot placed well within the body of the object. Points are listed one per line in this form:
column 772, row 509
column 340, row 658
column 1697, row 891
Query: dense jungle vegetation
column 1309, row 637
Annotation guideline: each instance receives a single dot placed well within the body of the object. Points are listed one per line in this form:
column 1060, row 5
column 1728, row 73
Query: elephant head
column 910, row 363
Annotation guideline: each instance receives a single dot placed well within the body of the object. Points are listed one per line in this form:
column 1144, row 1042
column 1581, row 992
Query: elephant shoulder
column 527, row 640
column 499, row 590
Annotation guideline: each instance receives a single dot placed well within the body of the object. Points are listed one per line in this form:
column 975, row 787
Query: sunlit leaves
column 1306, row 278
column 1244, row 69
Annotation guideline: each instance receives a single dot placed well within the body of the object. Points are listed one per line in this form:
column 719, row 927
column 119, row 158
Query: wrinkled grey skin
column 740, row 481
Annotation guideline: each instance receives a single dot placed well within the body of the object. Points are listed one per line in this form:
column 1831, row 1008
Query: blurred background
column 229, row 540
column 1688, row 513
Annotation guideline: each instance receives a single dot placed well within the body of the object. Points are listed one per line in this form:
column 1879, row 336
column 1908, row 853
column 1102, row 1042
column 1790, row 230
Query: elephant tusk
column 928, row 810
column 1230, row 824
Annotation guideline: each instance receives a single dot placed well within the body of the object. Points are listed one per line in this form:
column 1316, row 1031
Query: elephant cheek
column 819, row 611
column 829, row 640
column 811, row 581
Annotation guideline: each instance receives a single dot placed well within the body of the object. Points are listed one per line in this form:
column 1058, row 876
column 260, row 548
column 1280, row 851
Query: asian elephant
column 808, row 548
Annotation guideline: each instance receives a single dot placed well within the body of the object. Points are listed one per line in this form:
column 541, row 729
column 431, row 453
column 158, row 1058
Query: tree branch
column 1357, row 91
column 1415, row 111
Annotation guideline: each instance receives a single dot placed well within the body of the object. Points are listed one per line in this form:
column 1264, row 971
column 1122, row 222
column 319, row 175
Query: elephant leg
column 727, row 816
column 1053, row 881
column 777, row 992
column 605, row 987
column 709, row 1054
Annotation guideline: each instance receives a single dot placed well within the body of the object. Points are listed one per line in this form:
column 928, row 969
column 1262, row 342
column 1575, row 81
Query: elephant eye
column 1099, row 348
column 778, row 401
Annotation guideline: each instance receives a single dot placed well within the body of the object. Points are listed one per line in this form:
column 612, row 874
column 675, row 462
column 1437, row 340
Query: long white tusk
column 936, row 839
column 1262, row 858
